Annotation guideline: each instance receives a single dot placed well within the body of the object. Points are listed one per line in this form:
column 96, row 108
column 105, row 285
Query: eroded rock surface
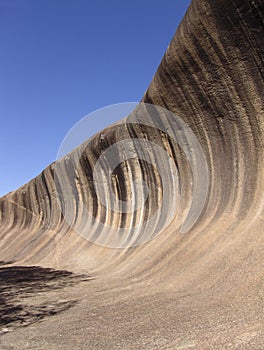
column 198, row 290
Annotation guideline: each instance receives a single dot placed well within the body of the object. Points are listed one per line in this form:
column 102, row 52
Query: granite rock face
column 211, row 77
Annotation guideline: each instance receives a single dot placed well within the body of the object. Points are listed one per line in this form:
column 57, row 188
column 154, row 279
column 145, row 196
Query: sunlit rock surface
column 202, row 289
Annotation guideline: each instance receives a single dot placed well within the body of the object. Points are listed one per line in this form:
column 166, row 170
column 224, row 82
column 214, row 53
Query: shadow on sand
column 17, row 283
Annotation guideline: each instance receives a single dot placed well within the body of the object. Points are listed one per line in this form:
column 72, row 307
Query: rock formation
column 199, row 289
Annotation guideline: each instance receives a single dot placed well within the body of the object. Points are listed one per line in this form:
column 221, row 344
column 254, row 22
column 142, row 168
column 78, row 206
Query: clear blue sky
column 63, row 59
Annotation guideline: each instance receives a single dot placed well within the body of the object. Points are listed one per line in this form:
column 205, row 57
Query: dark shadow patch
column 2, row 262
column 19, row 282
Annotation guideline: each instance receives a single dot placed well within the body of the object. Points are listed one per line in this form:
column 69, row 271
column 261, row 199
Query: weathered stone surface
column 200, row 290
